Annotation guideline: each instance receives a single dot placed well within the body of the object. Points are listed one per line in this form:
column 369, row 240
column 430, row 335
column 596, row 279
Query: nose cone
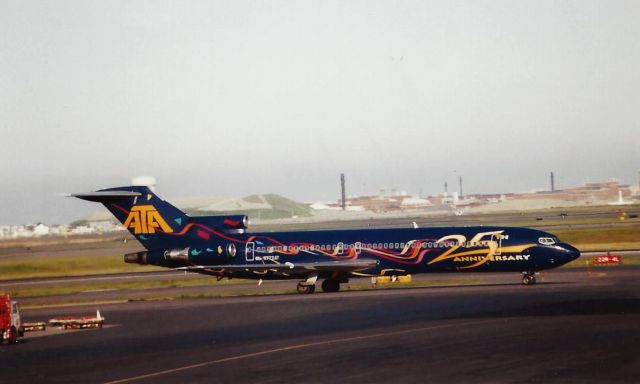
column 569, row 251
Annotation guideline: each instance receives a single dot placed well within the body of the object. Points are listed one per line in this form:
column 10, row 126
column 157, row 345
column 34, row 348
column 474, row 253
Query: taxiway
column 574, row 326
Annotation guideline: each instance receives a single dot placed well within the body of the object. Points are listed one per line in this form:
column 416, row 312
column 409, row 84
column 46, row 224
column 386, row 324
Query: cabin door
column 249, row 251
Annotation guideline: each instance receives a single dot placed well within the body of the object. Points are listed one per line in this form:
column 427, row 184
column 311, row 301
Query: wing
column 288, row 268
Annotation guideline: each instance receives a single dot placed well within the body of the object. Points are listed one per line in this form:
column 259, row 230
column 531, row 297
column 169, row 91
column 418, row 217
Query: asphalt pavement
column 574, row 326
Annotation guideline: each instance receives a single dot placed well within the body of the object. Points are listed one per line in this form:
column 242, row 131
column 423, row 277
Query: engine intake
column 177, row 254
column 231, row 250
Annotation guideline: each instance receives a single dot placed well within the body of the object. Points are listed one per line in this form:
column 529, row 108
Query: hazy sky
column 228, row 98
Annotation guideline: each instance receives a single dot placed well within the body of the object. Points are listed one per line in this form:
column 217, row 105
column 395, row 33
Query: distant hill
column 267, row 206
column 262, row 206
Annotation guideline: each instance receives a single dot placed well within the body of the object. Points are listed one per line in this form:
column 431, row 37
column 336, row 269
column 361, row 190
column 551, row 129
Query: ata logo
column 145, row 219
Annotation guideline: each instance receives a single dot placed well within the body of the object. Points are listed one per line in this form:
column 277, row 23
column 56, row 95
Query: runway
column 574, row 326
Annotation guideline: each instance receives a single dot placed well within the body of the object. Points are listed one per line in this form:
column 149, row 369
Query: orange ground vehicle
column 10, row 324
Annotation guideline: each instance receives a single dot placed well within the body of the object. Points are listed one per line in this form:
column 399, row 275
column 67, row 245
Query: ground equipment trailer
column 10, row 324
column 78, row 321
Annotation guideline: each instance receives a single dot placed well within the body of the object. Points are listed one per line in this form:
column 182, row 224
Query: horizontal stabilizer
column 105, row 196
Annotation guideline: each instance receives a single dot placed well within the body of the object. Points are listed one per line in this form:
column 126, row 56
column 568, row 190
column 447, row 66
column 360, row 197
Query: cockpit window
column 547, row 240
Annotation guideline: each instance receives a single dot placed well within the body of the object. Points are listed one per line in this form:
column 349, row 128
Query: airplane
column 221, row 246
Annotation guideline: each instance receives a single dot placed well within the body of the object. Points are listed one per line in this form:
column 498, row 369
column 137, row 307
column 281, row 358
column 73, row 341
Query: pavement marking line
column 290, row 348
column 80, row 304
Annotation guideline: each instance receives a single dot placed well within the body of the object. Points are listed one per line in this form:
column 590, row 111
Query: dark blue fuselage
column 398, row 251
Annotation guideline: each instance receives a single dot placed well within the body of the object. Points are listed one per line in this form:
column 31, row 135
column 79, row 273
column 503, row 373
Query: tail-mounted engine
column 226, row 251
column 177, row 254
column 141, row 258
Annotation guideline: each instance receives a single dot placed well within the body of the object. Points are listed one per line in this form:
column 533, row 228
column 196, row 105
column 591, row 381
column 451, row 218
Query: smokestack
column 445, row 187
column 553, row 187
column 460, row 186
column 344, row 201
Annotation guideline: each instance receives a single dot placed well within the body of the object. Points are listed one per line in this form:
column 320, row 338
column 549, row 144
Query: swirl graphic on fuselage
column 465, row 254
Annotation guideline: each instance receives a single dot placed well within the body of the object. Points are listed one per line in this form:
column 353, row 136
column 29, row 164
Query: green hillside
column 281, row 207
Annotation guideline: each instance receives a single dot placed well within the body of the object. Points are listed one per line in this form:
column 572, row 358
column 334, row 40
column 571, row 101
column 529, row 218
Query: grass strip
column 132, row 285
column 588, row 239
column 67, row 266
column 239, row 293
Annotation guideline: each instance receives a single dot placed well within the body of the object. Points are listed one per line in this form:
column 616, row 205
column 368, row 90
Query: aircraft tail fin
column 153, row 221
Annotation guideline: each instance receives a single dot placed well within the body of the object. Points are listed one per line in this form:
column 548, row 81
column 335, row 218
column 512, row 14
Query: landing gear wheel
column 304, row 289
column 330, row 285
column 528, row 279
column 12, row 336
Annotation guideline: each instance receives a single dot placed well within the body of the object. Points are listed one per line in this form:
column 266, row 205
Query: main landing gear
column 528, row 278
column 304, row 288
column 328, row 285
column 307, row 286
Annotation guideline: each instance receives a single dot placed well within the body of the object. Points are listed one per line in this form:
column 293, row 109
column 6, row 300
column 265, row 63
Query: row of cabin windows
column 344, row 247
